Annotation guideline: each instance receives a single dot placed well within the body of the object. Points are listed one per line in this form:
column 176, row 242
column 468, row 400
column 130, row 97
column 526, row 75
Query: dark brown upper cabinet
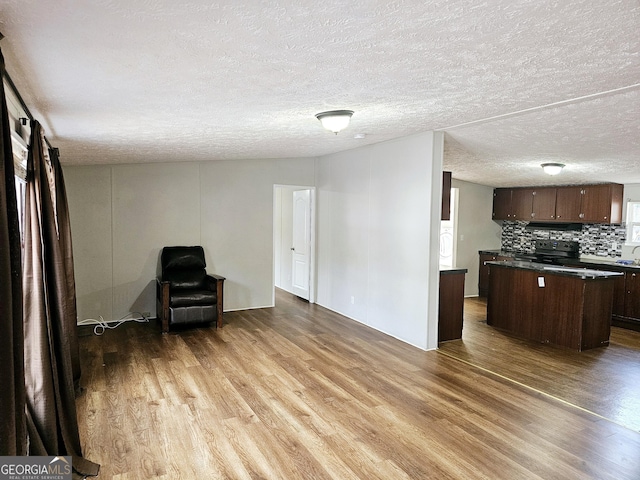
column 569, row 204
column 590, row 203
column 513, row 204
column 574, row 204
column 502, row 204
column 544, row 204
column 446, row 196
column 602, row 203
column 521, row 204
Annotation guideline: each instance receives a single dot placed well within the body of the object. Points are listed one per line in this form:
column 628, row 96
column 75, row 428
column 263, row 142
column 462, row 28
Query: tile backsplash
column 601, row 240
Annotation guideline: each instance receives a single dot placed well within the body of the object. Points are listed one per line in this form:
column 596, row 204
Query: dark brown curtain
column 13, row 436
column 51, row 341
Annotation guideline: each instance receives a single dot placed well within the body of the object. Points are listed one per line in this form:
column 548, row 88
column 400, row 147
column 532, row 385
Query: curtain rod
column 7, row 77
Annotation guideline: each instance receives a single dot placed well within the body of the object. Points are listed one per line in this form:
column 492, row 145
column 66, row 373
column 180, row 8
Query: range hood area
column 560, row 227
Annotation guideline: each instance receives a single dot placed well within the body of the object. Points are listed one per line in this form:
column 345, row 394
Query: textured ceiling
column 511, row 82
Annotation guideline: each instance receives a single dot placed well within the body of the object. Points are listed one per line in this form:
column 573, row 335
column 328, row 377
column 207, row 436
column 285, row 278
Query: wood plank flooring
column 299, row 392
column 605, row 381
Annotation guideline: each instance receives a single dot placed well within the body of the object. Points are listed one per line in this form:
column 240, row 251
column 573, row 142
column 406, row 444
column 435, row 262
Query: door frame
column 277, row 216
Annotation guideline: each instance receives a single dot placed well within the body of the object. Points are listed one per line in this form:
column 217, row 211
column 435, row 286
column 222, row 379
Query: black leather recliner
column 185, row 293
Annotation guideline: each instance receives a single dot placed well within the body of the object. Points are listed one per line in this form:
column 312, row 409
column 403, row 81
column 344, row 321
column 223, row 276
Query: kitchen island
column 564, row 306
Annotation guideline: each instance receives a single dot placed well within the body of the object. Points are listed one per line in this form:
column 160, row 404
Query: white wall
column 377, row 252
column 122, row 216
column 476, row 230
column 89, row 195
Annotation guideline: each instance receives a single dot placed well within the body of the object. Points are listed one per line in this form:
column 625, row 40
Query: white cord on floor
column 102, row 326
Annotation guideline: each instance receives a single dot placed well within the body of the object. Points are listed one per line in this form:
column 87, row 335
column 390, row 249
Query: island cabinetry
column 626, row 293
column 564, row 310
column 483, row 270
column 514, row 302
column 576, row 312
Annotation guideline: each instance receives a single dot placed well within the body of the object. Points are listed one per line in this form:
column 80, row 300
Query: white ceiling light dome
column 552, row 168
column 335, row 120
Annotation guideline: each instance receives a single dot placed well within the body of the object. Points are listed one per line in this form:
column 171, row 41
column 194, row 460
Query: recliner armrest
column 216, row 282
column 162, row 293
column 212, row 281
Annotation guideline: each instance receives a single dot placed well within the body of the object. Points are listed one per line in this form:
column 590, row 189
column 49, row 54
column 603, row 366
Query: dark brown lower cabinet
column 626, row 293
column 566, row 311
column 483, row 270
column 451, row 304
column 626, row 306
column 632, row 292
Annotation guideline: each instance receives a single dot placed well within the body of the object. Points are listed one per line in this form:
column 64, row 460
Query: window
column 20, row 194
column 19, row 148
column 633, row 223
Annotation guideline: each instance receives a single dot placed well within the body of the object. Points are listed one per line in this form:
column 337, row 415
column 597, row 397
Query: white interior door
column 301, row 243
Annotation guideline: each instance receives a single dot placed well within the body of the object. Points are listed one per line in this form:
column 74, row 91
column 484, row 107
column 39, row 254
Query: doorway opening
column 448, row 237
column 294, row 246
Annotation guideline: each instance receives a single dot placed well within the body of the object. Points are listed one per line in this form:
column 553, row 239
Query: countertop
column 451, row 270
column 582, row 273
column 578, row 262
column 606, row 263
column 504, row 253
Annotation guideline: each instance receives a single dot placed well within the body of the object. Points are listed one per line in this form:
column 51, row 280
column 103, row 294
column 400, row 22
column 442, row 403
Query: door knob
column 292, row 248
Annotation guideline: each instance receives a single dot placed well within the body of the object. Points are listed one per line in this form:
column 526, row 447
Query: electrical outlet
column 353, row 300
column 146, row 314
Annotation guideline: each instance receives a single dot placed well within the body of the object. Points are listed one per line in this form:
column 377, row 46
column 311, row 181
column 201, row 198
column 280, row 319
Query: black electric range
column 552, row 251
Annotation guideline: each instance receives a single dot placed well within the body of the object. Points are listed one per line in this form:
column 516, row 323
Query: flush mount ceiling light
column 552, row 168
column 335, row 120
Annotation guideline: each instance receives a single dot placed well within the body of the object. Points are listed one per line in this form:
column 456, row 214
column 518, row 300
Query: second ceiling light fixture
column 335, row 120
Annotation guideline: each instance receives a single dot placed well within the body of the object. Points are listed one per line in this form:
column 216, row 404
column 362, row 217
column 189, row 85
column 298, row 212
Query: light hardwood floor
column 297, row 391
column 605, row 381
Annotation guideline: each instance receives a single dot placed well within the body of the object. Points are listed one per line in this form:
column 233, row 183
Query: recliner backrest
column 183, row 267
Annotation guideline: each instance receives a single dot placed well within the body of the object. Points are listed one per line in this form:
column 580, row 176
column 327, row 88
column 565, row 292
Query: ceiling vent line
column 547, row 106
